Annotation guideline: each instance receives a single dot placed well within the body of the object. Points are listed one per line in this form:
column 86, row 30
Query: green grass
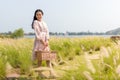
column 70, row 51
column 2, row 67
column 17, row 52
column 69, row 47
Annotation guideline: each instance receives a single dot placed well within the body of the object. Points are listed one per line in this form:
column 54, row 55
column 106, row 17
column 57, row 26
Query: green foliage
column 2, row 67
column 18, row 53
column 94, row 43
column 110, row 64
column 76, row 74
column 18, row 33
column 69, row 47
column 25, row 62
column 12, row 56
column 73, row 75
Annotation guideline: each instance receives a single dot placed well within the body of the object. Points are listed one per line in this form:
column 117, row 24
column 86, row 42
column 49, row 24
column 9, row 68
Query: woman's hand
column 45, row 43
column 42, row 42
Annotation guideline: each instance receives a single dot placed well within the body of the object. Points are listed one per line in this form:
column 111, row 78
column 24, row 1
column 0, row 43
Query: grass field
column 87, row 58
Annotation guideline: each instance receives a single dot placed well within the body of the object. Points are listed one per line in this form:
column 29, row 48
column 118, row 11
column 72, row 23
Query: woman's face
column 39, row 16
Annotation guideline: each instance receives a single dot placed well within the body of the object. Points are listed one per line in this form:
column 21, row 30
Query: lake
column 69, row 36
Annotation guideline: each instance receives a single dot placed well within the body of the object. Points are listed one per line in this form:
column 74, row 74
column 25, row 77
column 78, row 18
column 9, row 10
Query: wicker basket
column 46, row 55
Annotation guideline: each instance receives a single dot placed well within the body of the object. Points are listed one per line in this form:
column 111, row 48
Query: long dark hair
column 34, row 18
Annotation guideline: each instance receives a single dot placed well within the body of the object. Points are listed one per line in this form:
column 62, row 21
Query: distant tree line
column 18, row 33
column 71, row 33
column 84, row 33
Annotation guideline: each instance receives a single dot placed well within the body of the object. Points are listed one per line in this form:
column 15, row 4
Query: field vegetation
column 86, row 58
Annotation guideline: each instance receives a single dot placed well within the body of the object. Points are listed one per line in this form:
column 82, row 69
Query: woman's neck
column 40, row 20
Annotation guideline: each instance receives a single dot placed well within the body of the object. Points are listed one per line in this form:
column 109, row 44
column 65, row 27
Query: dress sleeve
column 47, row 32
column 37, row 30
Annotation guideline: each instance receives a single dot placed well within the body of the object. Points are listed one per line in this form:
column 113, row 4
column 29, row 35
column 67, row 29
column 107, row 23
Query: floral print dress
column 41, row 33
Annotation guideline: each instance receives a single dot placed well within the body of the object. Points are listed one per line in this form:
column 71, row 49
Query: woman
column 41, row 35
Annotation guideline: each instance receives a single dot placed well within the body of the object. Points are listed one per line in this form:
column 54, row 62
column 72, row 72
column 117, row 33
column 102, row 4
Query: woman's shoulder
column 35, row 21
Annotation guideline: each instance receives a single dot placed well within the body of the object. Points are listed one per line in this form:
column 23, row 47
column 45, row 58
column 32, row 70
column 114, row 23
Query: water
column 29, row 36
column 71, row 36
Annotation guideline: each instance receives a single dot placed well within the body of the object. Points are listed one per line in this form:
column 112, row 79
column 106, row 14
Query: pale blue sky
column 61, row 15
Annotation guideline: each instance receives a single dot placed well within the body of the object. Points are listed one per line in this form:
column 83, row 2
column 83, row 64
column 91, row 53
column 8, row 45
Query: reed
column 71, row 50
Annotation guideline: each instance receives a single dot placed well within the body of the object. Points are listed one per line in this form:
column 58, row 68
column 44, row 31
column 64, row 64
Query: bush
column 17, row 33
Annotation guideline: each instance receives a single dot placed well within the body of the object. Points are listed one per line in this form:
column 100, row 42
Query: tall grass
column 69, row 47
column 94, row 43
column 18, row 53
column 107, row 68
column 2, row 67
column 110, row 64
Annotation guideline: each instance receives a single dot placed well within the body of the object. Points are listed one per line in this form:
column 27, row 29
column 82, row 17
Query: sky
column 61, row 15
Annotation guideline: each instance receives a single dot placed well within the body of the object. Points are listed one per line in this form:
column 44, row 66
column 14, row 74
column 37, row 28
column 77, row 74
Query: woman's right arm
column 37, row 31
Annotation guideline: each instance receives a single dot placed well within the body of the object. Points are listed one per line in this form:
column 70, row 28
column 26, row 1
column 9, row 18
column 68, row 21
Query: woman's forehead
column 39, row 12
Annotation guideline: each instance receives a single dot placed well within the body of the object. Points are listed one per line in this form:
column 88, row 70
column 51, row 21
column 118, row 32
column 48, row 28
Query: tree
column 18, row 33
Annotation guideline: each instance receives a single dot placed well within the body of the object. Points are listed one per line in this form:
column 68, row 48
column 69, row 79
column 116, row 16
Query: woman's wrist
column 42, row 41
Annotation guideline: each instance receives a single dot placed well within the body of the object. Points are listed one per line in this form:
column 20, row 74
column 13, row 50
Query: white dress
column 41, row 32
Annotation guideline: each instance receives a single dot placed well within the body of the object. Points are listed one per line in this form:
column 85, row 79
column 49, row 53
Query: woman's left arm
column 47, row 32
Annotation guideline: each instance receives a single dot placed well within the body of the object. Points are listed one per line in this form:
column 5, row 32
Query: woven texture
column 46, row 55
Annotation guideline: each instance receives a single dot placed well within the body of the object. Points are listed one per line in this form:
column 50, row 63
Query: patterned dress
column 41, row 33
